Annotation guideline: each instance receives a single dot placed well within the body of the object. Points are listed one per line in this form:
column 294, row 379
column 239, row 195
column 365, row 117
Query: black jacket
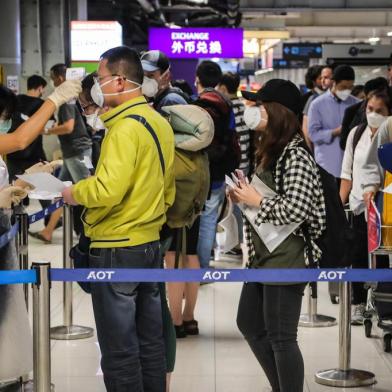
column 353, row 116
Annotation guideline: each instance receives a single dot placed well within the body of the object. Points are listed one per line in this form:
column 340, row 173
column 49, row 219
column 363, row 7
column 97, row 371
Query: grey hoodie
column 373, row 173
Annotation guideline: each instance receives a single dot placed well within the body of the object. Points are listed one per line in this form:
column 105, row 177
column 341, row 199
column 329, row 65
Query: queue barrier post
column 311, row 318
column 68, row 331
column 22, row 246
column 344, row 376
column 41, row 328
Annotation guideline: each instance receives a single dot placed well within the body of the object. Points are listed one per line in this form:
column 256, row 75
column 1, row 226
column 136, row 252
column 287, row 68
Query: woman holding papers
column 268, row 314
column 15, row 336
column 359, row 140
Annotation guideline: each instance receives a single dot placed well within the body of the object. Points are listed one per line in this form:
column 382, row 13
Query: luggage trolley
column 379, row 301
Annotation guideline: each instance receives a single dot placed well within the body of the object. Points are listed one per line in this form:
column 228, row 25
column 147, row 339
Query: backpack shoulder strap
column 149, row 128
column 357, row 135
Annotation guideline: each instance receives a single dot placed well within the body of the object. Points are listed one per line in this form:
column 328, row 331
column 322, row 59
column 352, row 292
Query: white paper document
column 271, row 235
column 388, row 189
column 46, row 186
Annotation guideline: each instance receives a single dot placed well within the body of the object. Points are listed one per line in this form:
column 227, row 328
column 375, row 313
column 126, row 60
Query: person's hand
column 68, row 198
column 11, row 194
column 40, row 167
column 56, row 163
column 230, row 195
column 337, row 131
column 368, row 197
column 68, row 90
column 247, row 194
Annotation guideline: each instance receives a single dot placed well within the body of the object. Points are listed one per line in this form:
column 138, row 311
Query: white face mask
column 5, row 125
column 252, row 117
column 343, row 94
column 98, row 95
column 94, row 121
column 375, row 120
column 150, row 87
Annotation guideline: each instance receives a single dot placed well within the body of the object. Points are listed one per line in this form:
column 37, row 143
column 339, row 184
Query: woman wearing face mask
column 268, row 314
column 378, row 108
column 15, row 335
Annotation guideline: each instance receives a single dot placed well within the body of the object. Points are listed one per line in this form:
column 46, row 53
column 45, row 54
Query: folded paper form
column 271, row 235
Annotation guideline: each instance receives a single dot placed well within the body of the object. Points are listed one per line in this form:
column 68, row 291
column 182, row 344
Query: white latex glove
column 11, row 194
column 67, row 91
column 55, row 164
column 41, row 167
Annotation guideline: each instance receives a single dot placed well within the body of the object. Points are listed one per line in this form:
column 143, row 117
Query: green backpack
column 193, row 130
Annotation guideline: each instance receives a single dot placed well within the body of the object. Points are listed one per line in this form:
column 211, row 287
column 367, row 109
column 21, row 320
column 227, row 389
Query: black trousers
column 360, row 257
column 268, row 318
column 128, row 318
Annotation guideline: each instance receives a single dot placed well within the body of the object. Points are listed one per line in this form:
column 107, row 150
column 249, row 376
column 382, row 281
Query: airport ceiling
column 307, row 20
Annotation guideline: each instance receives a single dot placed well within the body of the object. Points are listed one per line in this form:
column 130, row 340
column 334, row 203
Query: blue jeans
column 128, row 318
column 208, row 221
column 268, row 318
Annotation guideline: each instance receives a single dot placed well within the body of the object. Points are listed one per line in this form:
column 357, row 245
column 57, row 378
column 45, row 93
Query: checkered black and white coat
column 301, row 198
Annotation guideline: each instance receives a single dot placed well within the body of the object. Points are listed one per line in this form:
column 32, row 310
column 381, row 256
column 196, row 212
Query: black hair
column 384, row 95
column 7, row 102
column 183, row 85
column 231, row 81
column 124, row 61
column 36, row 81
column 357, row 90
column 343, row 72
column 209, row 73
column 59, row 70
column 87, row 84
column 312, row 74
column 379, row 83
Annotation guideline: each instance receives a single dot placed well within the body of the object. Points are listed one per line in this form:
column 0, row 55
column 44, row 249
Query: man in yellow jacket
column 126, row 203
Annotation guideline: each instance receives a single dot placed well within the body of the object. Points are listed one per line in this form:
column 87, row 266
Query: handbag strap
column 149, row 128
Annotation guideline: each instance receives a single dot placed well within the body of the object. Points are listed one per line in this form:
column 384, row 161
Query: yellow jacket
column 128, row 196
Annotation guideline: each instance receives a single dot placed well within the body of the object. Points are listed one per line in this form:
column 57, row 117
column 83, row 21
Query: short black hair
column 183, row 85
column 87, row 84
column 357, row 90
column 209, row 73
column 312, row 74
column 124, row 61
column 36, row 81
column 379, row 83
column 343, row 72
column 7, row 102
column 58, row 70
column 231, row 81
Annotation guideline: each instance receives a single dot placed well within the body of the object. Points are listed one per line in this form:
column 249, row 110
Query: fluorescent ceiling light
column 374, row 39
column 389, row 34
column 263, row 71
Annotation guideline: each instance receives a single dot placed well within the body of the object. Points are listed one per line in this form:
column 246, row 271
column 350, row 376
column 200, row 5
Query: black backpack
column 338, row 237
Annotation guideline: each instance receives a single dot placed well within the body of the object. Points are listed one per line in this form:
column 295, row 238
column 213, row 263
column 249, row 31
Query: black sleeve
column 346, row 124
column 66, row 112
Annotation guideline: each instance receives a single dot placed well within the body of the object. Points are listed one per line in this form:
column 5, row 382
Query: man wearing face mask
column 325, row 119
column 126, row 202
column 156, row 84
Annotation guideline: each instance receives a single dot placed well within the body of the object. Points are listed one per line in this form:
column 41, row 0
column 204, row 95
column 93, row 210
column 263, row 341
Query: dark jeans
column 268, row 318
column 360, row 257
column 128, row 317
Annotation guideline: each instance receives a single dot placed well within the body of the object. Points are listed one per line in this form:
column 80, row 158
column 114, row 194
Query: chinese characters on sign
column 198, row 42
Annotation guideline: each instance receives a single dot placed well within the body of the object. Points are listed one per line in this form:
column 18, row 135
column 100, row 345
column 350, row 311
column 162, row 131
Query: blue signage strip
column 223, row 275
column 45, row 212
column 13, row 277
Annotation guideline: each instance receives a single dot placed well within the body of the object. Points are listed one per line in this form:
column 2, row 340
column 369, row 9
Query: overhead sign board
column 89, row 39
column 197, row 42
column 301, row 51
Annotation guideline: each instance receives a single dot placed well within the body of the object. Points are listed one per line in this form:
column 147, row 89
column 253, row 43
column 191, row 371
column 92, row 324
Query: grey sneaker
column 357, row 312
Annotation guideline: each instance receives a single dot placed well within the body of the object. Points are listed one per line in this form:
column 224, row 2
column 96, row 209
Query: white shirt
column 352, row 167
column 4, row 181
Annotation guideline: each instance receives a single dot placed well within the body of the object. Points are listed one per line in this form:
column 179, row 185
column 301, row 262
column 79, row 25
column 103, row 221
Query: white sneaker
column 357, row 312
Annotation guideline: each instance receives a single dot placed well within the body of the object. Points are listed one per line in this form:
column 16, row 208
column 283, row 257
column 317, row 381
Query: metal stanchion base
column 345, row 378
column 316, row 320
column 29, row 387
column 72, row 332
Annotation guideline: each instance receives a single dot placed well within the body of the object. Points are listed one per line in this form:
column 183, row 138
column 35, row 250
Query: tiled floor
column 216, row 361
